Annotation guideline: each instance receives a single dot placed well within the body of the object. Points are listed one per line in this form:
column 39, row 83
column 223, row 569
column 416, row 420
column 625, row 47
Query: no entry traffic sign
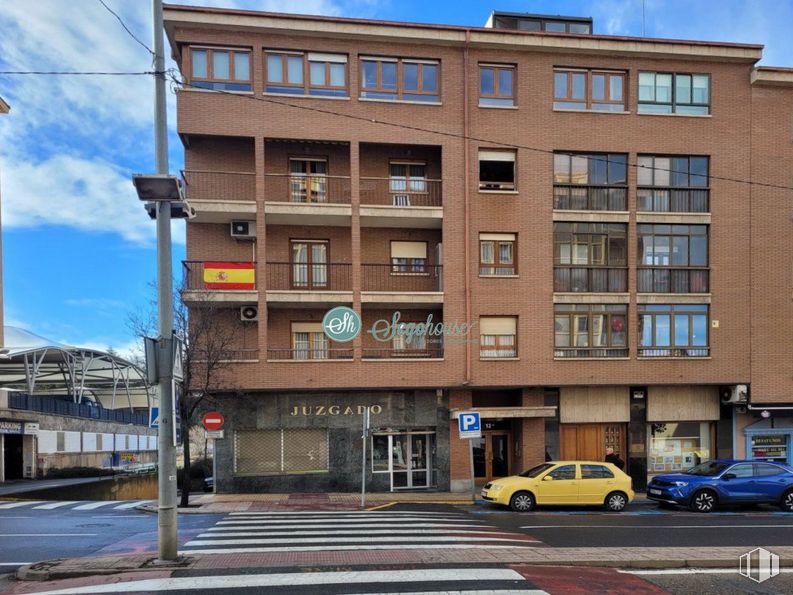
column 213, row 420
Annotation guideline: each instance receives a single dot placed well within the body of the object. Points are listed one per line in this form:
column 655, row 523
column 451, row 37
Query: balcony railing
column 309, row 354
column 401, row 192
column 590, row 279
column 668, row 280
column 309, row 277
column 307, row 189
column 430, row 352
column 242, row 354
column 589, row 198
column 594, row 352
column 219, row 276
column 219, row 185
column 673, row 200
column 674, row 352
column 401, row 278
column 55, row 406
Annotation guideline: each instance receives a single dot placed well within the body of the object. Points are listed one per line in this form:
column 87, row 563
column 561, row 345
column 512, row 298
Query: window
column 765, row 470
column 590, row 330
column 223, row 69
column 407, row 179
column 270, row 452
column 309, row 264
column 308, row 180
column 597, row 90
column 679, row 330
column 309, row 341
column 596, row 472
column 590, row 257
column 675, row 446
column 678, row 184
column 60, row 441
column 540, row 24
column 673, row 258
column 742, row 471
column 311, row 73
column 590, row 181
column 498, row 336
column 409, row 258
column 674, row 93
column 496, row 169
column 563, row 472
column 409, row 342
column 404, row 79
column 496, row 84
column 497, row 254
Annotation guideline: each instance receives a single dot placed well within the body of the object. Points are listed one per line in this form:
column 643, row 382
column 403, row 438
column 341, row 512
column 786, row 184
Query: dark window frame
column 603, row 236
column 309, row 264
column 697, row 196
column 412, row 266
column 673, row 102
column 612, row 194
column 693, row 277
column 571, row 312
column 497, row 262
column 690, row 311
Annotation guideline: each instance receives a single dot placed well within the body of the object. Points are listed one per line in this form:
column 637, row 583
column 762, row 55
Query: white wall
column 48, row 441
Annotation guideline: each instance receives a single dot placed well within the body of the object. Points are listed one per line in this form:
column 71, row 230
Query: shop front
column 591, row 420
column 770, row 440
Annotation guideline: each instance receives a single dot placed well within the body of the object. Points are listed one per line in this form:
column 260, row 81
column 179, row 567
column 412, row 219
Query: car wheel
column 703, row 501
column 787, row 501
column 616, row 502
column 522, row 502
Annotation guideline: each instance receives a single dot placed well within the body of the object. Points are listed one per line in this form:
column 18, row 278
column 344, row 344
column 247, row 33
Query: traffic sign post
column 469, row 425
column 213, row 420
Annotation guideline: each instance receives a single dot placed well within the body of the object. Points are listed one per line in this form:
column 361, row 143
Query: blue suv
column 706, row 486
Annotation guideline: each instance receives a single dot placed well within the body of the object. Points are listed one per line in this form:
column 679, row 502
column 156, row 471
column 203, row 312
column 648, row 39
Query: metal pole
column 471, row 457
column 363, row 455
column 166, row 455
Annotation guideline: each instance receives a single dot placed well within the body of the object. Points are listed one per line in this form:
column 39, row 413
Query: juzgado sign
column 343, row 324
column 320, row 410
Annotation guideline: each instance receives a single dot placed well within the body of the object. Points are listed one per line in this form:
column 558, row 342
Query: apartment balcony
column 673, row 200
column 401, row 202
column 206, row 283
column 221, row 196
column 309, row 354
column 305, row 199
column 308, row 284
column 573, row 279
column 577, row 197
column 669, row 280
column 404, row 354
column 401, row 285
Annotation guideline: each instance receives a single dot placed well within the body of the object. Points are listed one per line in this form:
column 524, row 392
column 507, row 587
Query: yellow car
column 563, row 482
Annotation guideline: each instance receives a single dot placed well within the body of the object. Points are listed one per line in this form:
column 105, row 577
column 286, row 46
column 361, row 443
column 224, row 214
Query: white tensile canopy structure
column 35, row 365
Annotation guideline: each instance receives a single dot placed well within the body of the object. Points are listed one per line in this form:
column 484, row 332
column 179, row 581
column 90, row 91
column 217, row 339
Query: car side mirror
column 547, row 478
column 728, row 476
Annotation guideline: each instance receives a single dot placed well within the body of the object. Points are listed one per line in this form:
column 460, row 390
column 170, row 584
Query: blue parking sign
column 469, row 424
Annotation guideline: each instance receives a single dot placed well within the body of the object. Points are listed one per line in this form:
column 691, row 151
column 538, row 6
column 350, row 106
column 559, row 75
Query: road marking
column 361, row 539
column 326, row 548
column 242, row 524
column 381, row 506
column 127, row 505
column 48, row 534
column 656, row 527
column 356, row 522
column 93, row 505
column 52, row 505
column 348, row 513
column 8, row 505
column 233, row 533
column 689, row 571
column 14, row 563
column 202, row 583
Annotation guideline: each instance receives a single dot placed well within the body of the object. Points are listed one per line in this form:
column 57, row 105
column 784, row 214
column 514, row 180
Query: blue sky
column 78, row 250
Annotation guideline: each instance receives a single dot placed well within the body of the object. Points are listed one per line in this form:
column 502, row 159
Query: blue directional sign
column 154, row 417
column 470, row 424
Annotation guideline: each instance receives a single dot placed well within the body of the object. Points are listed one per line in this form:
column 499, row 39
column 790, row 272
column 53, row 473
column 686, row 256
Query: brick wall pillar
column 531, row 434
column 459, row 458
column 260, row 253
column 355, row 235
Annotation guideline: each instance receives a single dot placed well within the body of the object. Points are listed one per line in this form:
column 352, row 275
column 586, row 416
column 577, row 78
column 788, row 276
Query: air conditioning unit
column 243, row 230
column 737, row 394
column 249, row 313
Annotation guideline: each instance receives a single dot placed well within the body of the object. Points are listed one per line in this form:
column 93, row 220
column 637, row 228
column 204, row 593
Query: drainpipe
column 466, row 206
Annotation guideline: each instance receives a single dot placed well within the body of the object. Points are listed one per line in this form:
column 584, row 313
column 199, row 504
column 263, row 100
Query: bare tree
column 209, row 336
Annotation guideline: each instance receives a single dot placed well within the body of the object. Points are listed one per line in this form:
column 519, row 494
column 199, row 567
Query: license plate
column 656, row 492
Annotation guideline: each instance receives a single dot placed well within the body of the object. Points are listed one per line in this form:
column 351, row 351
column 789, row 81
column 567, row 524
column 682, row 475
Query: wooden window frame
column 588, row 311
column 408, row 190
column 673, row 311
column 311, row 344
column 400, row 92
column 408, row 350
column 497, row 68
column 497, row 346
column 309, row 264
column 497, row 264
column 305, row 159
column 424, row 267
column 588, row 98
column 673, row 103
column 306, row 85
column 504, row 186
column 210, row 77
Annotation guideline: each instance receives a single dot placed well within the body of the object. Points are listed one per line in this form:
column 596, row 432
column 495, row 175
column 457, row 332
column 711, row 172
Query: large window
column 408, row 182
column 496, row 169
column 497, row 254
column 679, row 330
column 308, row 180
column 590, row 257
column 590, row 181
column 409, row 258
column 674, row 93
column 223, row 69
column 498, row 336
column 590, row 330
column 404, row 79
column 677, row 446
column 309, row 264
column 309, row 341
column 299, row 73
column 276, row 452
column 673, row 258
column 496, row 85
column 672, row 183
column 598, row 90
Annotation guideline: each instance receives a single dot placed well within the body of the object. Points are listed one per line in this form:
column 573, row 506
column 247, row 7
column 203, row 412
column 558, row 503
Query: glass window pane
column 429, row 78
column 505, row 82
column 317, row 73
column 700, row 88
column 294, row 69
column 561, row 168
column 562, row 331
column 615, row 87
column 681, row 330
column 410, row 74
column 487, row 81
column 644, row 172
column 581, row 325
column 699, row 251
column 555, row 27
column 618, row 169
column 579, row 169
column 389, row 70
column 579, row 85
column 646, row 86
column 662, row 167
column 662, row 330
column 646, row 339
column 199, row 63
column 618, row 326
column 699, row 171
column 663, row 88
column 683, row 88
column 680, row 251
column 560, row 84
column 699, row 335
column 487, row 252
column 242, row 66
column 338, row 75
column 598, row 86
column 369, row 75
column 679, row 174
column 598, row 169
column 220, row 65
column 275, row 72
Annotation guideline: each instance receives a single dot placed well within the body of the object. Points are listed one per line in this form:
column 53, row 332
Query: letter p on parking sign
column 469, row 424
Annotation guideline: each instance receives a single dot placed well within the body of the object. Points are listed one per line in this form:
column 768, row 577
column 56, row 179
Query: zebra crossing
column 263, row 532
column 60, row 505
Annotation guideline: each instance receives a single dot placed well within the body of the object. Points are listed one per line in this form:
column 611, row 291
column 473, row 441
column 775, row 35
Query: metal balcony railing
column 401, row 278
column 307, row 189
column 401, row 192
column 672, row 280
column 53, row 405
column 674, row 352
column 590, row 352
column 309, row 276
column 219, row 185
column 309, row 354
column 590, row 279
column 590, row 198
column 412, row 353
column 673, row 200
column 216, row 276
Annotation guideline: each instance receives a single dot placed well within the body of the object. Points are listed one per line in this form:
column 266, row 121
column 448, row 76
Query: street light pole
column 166, row 451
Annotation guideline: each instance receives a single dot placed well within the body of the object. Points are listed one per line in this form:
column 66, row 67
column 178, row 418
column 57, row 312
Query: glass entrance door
column 491, row 455
column 410, row 464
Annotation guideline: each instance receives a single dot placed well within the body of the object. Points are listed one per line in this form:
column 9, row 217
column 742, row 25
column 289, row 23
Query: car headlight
column 680, row 484
column 496, row 487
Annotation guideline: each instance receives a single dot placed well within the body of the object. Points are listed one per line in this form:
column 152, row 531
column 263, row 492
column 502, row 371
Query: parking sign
column 469, row 424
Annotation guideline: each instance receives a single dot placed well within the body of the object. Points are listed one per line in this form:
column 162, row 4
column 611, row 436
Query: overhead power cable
column 124, row 25
column 79, row 72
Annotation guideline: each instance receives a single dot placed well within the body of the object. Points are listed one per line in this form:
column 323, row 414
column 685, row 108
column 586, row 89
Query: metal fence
column 307, row 189
column 590, row 198
column 219, row 185
column 401, row 278
column 590, row 279
column 309, row 277
column 401, row 192
column 57, row 406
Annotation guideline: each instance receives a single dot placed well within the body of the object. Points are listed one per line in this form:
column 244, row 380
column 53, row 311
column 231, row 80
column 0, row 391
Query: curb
column 48, row 571
column 152, row 508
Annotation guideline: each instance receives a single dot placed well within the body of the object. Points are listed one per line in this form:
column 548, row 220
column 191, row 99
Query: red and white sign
column 213, row 421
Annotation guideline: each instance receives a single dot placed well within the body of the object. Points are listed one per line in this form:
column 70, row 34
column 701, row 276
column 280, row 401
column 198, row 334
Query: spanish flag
column 229, row 275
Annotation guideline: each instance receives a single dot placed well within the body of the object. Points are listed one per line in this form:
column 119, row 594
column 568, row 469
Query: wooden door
column 588, row 442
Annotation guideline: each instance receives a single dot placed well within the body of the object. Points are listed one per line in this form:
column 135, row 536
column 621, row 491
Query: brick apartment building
column 578, row 203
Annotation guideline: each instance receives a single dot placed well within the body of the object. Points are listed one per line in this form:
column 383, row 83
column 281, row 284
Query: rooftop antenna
column 643, row 18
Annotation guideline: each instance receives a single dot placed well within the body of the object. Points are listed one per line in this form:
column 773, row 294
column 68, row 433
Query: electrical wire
column 124, row 25
column 79, row 73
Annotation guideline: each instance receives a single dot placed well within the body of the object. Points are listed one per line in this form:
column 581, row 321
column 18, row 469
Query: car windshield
column 535, row 471
column 708, row 469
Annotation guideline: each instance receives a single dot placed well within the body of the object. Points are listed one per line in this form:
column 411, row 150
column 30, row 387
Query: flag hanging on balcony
column 229, row 275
